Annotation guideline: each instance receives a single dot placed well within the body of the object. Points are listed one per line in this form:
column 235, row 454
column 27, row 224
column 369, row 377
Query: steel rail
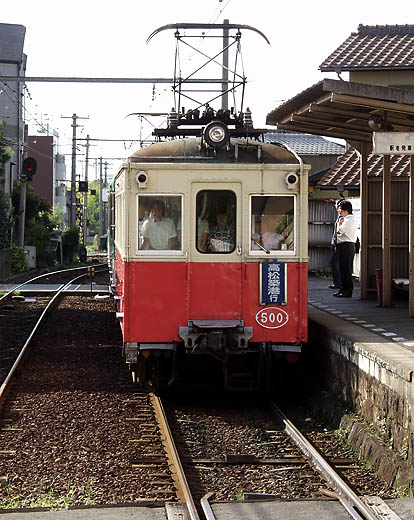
column 207, row 509
column 48, row 274
column 183, row 489
column 348, row 498
column 9, row 378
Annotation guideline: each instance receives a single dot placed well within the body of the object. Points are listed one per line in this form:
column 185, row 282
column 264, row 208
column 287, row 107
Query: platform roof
column 341, row 109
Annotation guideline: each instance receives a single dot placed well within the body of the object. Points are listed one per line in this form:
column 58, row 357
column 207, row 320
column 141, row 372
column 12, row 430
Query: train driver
column 269, row 240
column 159, row 231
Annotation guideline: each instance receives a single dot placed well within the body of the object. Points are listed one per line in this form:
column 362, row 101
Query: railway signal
column 83, row 186
column 29, row 168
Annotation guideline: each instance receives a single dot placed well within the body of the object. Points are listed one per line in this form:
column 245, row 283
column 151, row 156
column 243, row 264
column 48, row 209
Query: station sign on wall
column 393, row 143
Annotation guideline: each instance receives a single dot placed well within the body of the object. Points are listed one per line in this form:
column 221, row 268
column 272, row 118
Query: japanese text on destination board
column 272, row 283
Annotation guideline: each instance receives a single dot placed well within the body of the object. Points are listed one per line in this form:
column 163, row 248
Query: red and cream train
column 209, row 257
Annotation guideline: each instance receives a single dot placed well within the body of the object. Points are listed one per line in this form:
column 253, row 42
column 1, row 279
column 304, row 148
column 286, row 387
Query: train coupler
column 202, row 336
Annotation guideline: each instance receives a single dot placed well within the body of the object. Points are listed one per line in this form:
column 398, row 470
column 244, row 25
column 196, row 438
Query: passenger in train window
column 159, row 231
column 202, row 234
column 221, row 238
column 268, row 239
column 179, row 233
column 142, row 217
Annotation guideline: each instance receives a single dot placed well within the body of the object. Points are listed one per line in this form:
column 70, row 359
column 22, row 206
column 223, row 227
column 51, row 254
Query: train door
column 216, row 252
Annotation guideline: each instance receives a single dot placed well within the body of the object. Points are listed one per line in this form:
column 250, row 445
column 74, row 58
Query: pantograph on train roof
column 215, row 125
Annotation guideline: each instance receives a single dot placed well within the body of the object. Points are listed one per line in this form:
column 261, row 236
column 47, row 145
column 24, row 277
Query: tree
column 38, row 224
column 93, row 208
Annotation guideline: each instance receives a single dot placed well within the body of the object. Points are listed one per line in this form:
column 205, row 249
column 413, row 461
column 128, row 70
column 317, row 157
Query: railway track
column 73, row 425
column 20, row 316
column 258, row 454
column 74, row 429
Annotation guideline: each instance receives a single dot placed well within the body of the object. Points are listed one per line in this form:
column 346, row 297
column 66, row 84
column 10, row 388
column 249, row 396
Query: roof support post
column 386, row 226
column 363, row 273
column 411, row 240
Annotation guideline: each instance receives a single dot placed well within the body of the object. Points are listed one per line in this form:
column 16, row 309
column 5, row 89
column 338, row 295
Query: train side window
column 216, row 221
column 272, row 224
column 159, row 223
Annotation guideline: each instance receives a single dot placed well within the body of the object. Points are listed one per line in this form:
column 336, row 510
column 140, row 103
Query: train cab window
column 159, row 223
column 216, row 221
column 272, row 224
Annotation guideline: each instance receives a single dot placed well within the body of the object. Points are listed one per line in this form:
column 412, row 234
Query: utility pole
column 225, row 69
column 100, row 202
column 105, row 200
column 22, row 211
column 85, row 195
column 72, row 199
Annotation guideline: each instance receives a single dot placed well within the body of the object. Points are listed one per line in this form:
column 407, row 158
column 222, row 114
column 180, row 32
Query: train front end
column 210, row 260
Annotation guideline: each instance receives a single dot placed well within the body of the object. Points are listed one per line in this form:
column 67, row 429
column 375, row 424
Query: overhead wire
column 16, row 101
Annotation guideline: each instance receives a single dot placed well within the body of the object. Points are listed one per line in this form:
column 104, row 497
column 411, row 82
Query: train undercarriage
column 211, row 355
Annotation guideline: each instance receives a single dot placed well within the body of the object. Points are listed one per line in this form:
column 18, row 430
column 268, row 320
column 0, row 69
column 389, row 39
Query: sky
column 101, row 38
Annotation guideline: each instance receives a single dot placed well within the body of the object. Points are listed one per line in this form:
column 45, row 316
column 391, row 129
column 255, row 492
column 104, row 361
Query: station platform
column 399, row 509
column 390, row 325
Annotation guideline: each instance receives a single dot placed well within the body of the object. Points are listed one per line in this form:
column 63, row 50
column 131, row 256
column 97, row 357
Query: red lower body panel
column 156, row 298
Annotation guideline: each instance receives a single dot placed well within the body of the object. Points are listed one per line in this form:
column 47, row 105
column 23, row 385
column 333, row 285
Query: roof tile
column 346, row 171
column 304, row 144
column 375, row 47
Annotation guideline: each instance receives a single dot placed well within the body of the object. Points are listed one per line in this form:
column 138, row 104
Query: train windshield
column 216, row 221
column 159, row 223
column 272, row 223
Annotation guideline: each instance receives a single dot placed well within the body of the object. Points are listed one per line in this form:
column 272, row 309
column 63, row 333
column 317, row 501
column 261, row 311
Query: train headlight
column 142, row 179
column 291, row 180
column 216, row 134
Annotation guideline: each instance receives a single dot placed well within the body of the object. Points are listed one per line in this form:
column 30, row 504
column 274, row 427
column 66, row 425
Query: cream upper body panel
column 165, row 178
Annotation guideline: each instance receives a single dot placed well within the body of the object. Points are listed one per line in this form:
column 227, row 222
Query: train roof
column 237, row 151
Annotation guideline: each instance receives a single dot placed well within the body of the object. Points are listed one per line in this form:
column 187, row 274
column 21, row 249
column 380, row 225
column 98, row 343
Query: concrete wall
column 376, row 380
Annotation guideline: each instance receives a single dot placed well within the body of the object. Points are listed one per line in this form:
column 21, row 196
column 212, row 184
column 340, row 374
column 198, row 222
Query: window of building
column 216, row 221
column 272, row 224
column 159, row 223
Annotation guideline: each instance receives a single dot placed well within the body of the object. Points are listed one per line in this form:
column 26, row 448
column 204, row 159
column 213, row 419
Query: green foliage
column 18, row 259
column 5, row 222
column 38, row 224
column 70, row 243
column 92, row 217
column 45, row 495
column 56, row 219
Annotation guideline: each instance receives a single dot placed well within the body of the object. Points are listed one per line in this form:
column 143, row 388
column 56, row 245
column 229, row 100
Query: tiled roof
column 11, row 43
column 378, row 47
column 304, row 144
column 346, row 171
